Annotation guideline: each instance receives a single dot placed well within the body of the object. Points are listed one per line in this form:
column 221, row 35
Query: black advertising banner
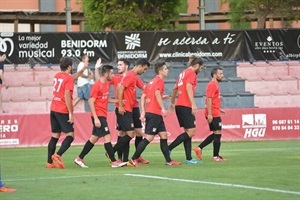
column 209, row 45
column 176, row 46
column 269, row 44
column 46, row 48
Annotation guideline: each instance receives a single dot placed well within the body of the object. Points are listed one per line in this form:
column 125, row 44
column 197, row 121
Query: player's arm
column 190, row 94
column 91, row 102
column 160, row 102
column 139, row 83
column 69, row 105
column 112, row 100
column 173, row 97
column 97, row 69
column 79, row 73
column 209, row 109
column 90, row 75
column 143, row 106
column 84, row 76
column 120, row 93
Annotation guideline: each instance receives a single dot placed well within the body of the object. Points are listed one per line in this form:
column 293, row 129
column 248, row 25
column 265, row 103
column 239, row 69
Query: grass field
column 254, row 170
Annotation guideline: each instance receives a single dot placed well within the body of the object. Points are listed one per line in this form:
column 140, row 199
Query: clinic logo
column 132, row 41
column 6, row 44
column 255, row 125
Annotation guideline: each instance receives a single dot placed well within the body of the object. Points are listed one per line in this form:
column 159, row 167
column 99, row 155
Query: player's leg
column 109, row 148
column 56, row 131
column 217, row 127
column 96, row 134
column 120, row 135
column 67, row 128
column 4, row 188
column 181, row 119
column 188, row 147
column 187, row 120
column 126, row 122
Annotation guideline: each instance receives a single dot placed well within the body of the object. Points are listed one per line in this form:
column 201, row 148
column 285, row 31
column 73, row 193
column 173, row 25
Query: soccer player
column 61, row 114
column 98, row 103
column 126, row 100
column 153, row 110
column 4, row 188
column 123, row 153
column 186, row 107
column 213, row 116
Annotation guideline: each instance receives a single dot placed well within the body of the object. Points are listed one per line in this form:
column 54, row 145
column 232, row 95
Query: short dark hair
column 142, row 61
column 125, row 61
column 1, row 53
column 158, row 66
column 65, row 62
column 106, row 69
column 193, row 60
column 214, row 71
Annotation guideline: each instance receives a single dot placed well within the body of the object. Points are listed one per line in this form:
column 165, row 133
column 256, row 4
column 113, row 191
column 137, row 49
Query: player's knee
column 191, row 132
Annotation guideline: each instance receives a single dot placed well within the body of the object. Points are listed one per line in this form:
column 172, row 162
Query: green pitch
column 254, row 170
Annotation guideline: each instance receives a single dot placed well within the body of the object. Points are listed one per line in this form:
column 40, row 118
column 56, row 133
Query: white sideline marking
column 215, row 183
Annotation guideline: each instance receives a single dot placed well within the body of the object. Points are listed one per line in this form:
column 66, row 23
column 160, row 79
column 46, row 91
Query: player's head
column 217, row 74
column 161, row 68
column 123, row 66
column 107, row 71
column 66, row 63
column 196, row 63
column 84, row 58
column 142, row 66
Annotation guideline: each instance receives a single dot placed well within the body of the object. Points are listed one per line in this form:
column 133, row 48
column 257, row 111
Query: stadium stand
column 274, row 84
column 243, row 85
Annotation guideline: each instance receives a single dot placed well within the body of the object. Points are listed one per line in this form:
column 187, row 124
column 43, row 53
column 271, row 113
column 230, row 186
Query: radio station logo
column 254, row 125
column 6, row 46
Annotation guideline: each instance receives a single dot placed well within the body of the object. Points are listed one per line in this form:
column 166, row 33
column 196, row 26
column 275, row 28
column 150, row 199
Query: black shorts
column 118, row 127
column 103, row 130
column 216, row 124
column 154, row 124
column 124, row 122
column 136, row 117
column 137, row 123
column 185, row 117
column 59, row 123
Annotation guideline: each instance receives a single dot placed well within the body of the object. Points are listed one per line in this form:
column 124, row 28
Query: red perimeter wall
column 238, row 124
